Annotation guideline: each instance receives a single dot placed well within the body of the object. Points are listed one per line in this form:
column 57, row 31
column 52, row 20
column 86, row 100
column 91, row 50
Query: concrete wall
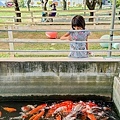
column 116, row 93
column 57, row 78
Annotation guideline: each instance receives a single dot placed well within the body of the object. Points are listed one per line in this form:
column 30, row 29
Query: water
column 19, row 102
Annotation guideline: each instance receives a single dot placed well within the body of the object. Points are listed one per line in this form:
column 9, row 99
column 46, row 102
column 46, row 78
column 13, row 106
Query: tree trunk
column 64, row 5
column 91, row 6
column 99, row 2
column 45, row 5
column 28, row 4
column 42, row 3
column 17, row 9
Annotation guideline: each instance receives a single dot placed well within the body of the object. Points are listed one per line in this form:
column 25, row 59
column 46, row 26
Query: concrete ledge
column 62, row 59
column 116, row 93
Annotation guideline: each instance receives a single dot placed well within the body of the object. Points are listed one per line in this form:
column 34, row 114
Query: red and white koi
column 66, row 110
column 27, row 108
column 37, row 109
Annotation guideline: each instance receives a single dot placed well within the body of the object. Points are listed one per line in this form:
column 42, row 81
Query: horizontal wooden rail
column 11, row 41
column 35, row 18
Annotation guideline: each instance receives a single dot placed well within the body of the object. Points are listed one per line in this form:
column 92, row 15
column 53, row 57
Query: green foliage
column 118, row 3
column 21, row 3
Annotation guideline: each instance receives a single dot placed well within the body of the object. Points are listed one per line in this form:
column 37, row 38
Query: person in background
column 53, row 10
column 51, row 14
column 78, row 23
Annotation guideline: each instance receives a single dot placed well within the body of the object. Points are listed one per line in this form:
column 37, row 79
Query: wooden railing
column 62, row 17
column 12, row 51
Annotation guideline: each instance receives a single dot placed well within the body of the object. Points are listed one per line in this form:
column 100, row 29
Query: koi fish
column 91, row 104
column 60, row 109
column 62, row 105
column 67, row 104
column 39, row 115
column 78, row 107
column 8, row 109
column 91, row 116
column 70, row 116
column 52, row 110
column 27, row 108
column 58, row 117
column 31, row 118
column 23, row 115
column 37, row 109
column 0, row 114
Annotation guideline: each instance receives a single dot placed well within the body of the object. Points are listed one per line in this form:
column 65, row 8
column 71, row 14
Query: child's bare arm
column 66, row 36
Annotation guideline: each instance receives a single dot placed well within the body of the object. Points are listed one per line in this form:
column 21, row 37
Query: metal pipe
column 58, row 50
column 27, row 30
column 112, row 26
column 59, row 42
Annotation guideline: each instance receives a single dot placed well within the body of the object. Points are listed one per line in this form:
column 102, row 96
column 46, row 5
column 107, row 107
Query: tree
column 64, row 5
column 28, row 4
column 22, row 3
column 91, row 6
column 117, row 3
column 17, row 9
column 44, row 4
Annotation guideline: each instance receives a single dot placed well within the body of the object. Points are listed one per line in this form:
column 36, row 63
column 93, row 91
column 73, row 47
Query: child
column 53, row 9
column 51, row 14
column 78, row 23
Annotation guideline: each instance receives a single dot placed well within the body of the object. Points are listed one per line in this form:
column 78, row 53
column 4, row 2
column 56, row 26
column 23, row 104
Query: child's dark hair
column 79, row 21
column 53, row 5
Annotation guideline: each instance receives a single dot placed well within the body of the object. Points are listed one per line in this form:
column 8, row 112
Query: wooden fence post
column 10, row 36
column 94, row 19
column 32, row 17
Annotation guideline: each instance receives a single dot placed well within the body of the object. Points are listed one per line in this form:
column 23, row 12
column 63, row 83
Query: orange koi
column 91, row 116
column 62, row 105
column 65, row 103
column 0, row 114
column 39, row 115
column 31, row 118
column 68, row 104
column 58, row 117
column 52, row 110
column 37, row 109
column 9, row 109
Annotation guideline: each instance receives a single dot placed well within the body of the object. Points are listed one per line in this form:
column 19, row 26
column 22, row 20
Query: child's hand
column 69, row 38
column 89, row 53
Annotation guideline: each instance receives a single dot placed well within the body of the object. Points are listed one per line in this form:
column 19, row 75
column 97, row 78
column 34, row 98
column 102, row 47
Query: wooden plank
column 11, row 45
